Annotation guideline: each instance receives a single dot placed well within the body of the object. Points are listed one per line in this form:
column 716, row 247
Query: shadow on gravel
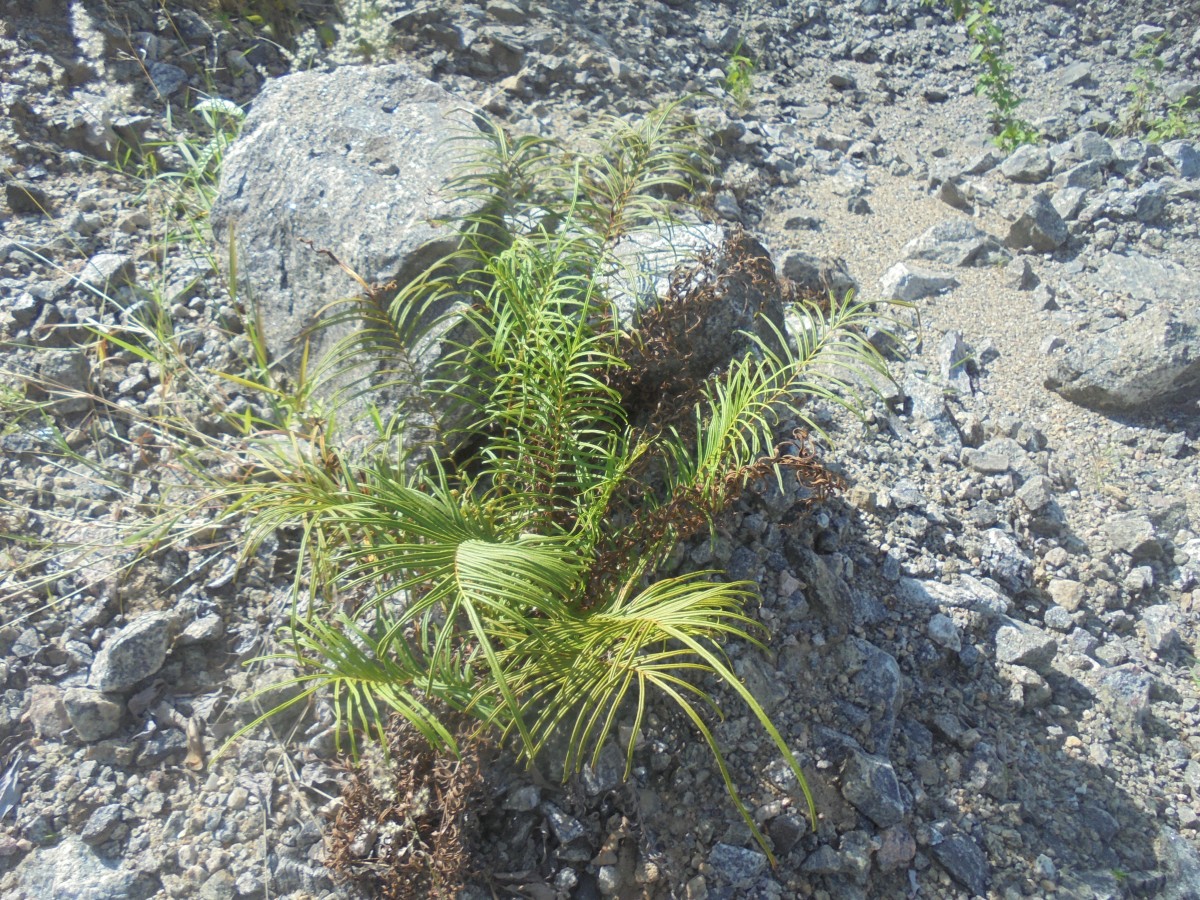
column 989, row 772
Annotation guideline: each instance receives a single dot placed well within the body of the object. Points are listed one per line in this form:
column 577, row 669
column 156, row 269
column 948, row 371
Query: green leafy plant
column 1143, row 90
column 496, row 554
column 739, row 76
column 1180, row 122
column 995, row 79
column 1148, row 113
column 280, row 21
column 511, row 573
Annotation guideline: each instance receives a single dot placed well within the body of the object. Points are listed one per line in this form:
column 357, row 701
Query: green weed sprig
column 739, row 76
column 995, row 81
column 1146, row 96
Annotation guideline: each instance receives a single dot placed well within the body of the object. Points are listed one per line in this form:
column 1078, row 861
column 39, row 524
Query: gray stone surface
column 877, row 683
column 956, row 242
column 1087, row 175
column 815, row 276
column 101, row 824
column 965, row 861
column 897, row 847
column 827, row 593
column 823, row 861
column 1133, row 534
column 1028, row 164
column 73, row 871
column 1149, row 360
column 46, row 711
column 965, row 593
column 137, row 651
column 1145, row 278
column 1068, row 202
column 869, row 784
column 1005, row 561
column 908, row 283
column 1158, row 625
column 1124, row 690
column 786, row 831
column 1067, row 593
column 737, row 866
column 105, row 272
column 366, row 152
column 566, row 828
column 92, row 715
column 1036, row 493
column 1022, row 644
column 929, row 405
column 1039, row 228
column 944, row 632
column 1184, row 156
column 957, row 363
column 1075, row 75
column 1020, row 275
column 1182, row 863
column 64, row 375
column 25, row 197
column 1088, row 145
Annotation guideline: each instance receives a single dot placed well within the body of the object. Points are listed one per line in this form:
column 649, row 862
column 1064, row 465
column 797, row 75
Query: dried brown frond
column 688, row 512
column 407, row 817
column 661, row 383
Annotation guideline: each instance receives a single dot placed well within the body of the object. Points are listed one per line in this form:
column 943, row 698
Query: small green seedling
column 739, row 76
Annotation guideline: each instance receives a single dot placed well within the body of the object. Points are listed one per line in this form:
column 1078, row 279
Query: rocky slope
column 982, row 652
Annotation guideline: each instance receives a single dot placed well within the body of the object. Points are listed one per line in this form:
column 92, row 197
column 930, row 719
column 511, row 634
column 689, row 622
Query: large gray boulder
column 1149, row 360
column 353, row 160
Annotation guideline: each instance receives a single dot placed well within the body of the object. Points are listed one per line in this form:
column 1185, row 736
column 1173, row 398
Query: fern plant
column 496, row 554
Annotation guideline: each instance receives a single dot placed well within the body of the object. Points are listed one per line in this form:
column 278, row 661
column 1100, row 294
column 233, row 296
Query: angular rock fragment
column 909, row 283
column 965, row 861
column 137, row 651
column 1149, row 360
column 1022, row 644
column 814, row 276
column 869, row 783
column 956, row 242
column 1039, row 228
column 1027, row 165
